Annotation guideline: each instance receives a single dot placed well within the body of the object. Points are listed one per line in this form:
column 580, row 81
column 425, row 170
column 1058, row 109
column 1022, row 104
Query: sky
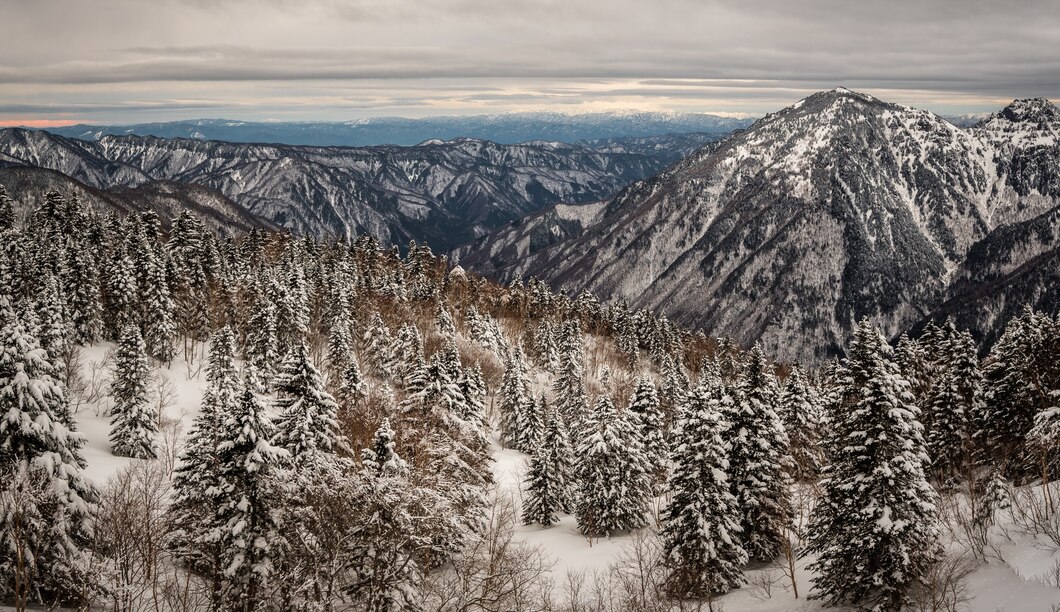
column 132, row 61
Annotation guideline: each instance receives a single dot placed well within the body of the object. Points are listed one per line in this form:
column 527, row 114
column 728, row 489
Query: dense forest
column 356, row 396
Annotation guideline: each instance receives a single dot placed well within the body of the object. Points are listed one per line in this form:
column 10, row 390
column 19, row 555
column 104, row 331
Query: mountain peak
column 1030, row 110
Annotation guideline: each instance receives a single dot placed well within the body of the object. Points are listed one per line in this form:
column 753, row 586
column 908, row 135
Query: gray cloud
column 336, row 59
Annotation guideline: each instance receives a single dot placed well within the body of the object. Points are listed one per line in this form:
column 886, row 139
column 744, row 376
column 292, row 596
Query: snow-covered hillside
column 838, row 207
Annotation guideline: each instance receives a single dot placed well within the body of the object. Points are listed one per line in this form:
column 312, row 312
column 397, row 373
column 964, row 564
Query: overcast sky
column 125, row 61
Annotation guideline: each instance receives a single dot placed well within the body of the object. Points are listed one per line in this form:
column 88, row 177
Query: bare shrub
column 162, row 394
column 1033, row 514
column 945, row 587
column 129, row 534
column 494, row 573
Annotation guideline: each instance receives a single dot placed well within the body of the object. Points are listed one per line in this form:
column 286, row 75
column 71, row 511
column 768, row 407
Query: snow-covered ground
column 1017, row 577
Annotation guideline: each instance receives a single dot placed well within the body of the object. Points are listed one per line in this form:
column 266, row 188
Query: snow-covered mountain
column 29, row 187
column 838, row 207
column 444, row 192
column 506, row 128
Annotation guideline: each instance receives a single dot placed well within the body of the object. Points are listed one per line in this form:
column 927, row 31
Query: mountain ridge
column 786, row 233
column 442, row 192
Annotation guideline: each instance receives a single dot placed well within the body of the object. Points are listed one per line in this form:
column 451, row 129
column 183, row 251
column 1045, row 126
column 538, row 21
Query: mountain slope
column 507, row 128
column 28, row 185
column 443, row 192
column 838, row 207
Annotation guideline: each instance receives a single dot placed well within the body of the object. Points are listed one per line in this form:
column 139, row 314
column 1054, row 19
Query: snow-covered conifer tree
column 613, row 487
column 801, row 415
column 306, row 424
column 44, row 530
column 701, row 524
column 875, row 529
column 758, row 461
column 134, row 423
column 647, row 420
column 248, row 499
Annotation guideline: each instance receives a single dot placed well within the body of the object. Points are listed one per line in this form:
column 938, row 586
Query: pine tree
column 159, row 326
column 306, row 425
column 875, row 529
column 515, row 401
column 802, row 421
column 40, row 467
column 758, row 461
column 134, row 425
column 569, row 385
column 262, row 346
column 248, row 500
column 647, row 420
column 947, row 439
column 549, row 479
column 381, row 458
column 196, row 527
column 700, row 525
column 613, row 488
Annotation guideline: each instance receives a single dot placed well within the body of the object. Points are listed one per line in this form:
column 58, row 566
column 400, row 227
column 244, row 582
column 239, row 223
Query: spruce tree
column 196, row 526
column 306, row 424
column 701, row 523
column 647, row 420
column 948, row 438
column 875, row 530
column 381, row 458
column 613, row 487
column 758, row 461
column 248, row 501
column 801, row 415
column 549, row 479
column 44, row 535
column 569, row 385
column 134, row 424
column 515, row 401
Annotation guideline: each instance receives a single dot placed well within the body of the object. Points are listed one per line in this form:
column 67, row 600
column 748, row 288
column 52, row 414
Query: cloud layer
column 129, row 61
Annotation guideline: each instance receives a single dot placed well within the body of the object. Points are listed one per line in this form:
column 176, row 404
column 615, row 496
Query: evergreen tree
column 82, row 288
column 947, row 439
column 647, row 420
column 515, row 401
column 306, row 425
column 549, row 479
column 381, row 458
column 700, row 525
column 196, row 526
column 613, row 488
column 44, row 533
column 262, row 346
column 875, row 529
column 7, row 211
column 159, row 326
column 758, row 461
column 802, row 421
column 569, row 385
column 248, row 501
column 134, row 425
column 121, row 292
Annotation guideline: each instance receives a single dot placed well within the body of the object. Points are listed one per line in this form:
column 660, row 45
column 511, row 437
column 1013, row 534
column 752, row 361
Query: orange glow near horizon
column 37, row 123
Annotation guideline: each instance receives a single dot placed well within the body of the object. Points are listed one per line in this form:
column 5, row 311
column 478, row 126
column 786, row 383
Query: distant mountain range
column 28, row 187
column 442, row 192
column 838, row 207
column 510, row 128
